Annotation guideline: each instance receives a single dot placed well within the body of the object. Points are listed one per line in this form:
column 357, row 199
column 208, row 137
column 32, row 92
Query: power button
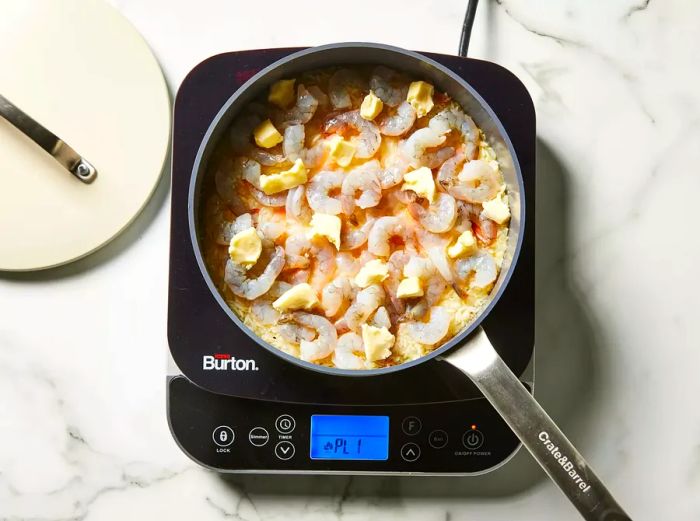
column 473, row 439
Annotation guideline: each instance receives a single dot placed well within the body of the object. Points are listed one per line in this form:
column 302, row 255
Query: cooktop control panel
column 238, row 434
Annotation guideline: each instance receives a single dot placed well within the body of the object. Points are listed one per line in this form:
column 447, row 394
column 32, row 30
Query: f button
column 411, row 425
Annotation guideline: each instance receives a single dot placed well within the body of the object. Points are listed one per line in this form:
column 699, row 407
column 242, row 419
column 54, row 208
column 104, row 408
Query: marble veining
column 82, row 348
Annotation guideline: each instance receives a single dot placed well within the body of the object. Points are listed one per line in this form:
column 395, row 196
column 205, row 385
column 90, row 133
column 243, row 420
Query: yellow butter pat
column 378, row 342
column 420, row 181
column 245, row 247
column 274, row 183
column 341, row 151
column 301, row 296
column 371, row 106
column 281, row 93
column 420, row 96
column 496, row 210
column 464, row 245
column 328, row 226
column 266, row 135
column 374, row 272
column 409, row 287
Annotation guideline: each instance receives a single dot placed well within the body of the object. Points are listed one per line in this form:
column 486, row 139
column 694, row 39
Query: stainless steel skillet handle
column 548, row 445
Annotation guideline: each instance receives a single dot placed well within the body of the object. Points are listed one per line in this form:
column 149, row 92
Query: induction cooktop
column 235, row 407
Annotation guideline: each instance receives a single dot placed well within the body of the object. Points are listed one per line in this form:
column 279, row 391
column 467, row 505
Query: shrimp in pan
column 352, row 222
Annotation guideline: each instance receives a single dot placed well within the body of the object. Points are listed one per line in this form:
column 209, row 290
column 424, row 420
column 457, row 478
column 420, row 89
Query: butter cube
column 464, row 245
column 301, row 296
column 420, row 181
column 274, row 183
column 266, row 135
column 420, row 96
column 371, row 106
column 281, row 93
column 496, row 210
column 378, row 342
column 245, row 248
column 409, row 287
column 328, row 226
column 341, row 151
column 374, row 272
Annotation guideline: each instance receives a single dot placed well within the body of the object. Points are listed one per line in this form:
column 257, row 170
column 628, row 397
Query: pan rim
column 452, row 343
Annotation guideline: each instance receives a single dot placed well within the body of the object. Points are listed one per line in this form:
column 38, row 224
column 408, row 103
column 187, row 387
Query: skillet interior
column 415, row 65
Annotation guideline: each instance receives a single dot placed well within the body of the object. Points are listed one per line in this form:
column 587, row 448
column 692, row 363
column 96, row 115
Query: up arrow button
column 410, row 452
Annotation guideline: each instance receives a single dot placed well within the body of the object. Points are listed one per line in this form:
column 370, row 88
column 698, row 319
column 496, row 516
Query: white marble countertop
column 82, row 348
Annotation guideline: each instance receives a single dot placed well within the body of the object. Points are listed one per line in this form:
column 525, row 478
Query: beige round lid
column 82, row 71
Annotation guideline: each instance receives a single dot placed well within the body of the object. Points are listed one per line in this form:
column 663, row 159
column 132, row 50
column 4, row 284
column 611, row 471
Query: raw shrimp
column 363, row 179
column 381, row 318
column 365, row 303
column 274, row 200
column 295, row 333
column 299, row 277
column 320, row 96
column 319, row 188
column 396, row 262
column 352, row 237
column 447, row 175
column 440, row 215
column 369, row 138
column 247, row 169
column 316, row 155
column 236, row 276
column 293, row 142
column 405, row 196
column 344, row 356
column 392, row 174
column 326, row 338
column 399, row 123
column 339, row 85
column 228, row 230
column 453, row 118
column 471, row 217
column 414, row 147
column 435, row 246
column 335, row 294
column 432, row 331
column 383, row 83
column 297, row 247
column 347, row 264
column 478, row 182
column 302, row 111
column 265, row 157
column 323, row 255
column 296, row 207
column 264, row 313
column 383, row 229
column 262, row 308
column 438, row 157
column 482, row 265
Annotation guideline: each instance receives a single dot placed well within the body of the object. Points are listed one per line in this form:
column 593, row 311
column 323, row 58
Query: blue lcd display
column 349, row 437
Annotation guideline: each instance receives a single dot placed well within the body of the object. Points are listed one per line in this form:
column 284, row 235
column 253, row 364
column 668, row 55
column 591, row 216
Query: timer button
column 411, row 425
column 437, row 439
column 284, row 450
column 410, row 452
column 258, row 436
column 473, row 439
column 223, row 436
column 285, row 424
